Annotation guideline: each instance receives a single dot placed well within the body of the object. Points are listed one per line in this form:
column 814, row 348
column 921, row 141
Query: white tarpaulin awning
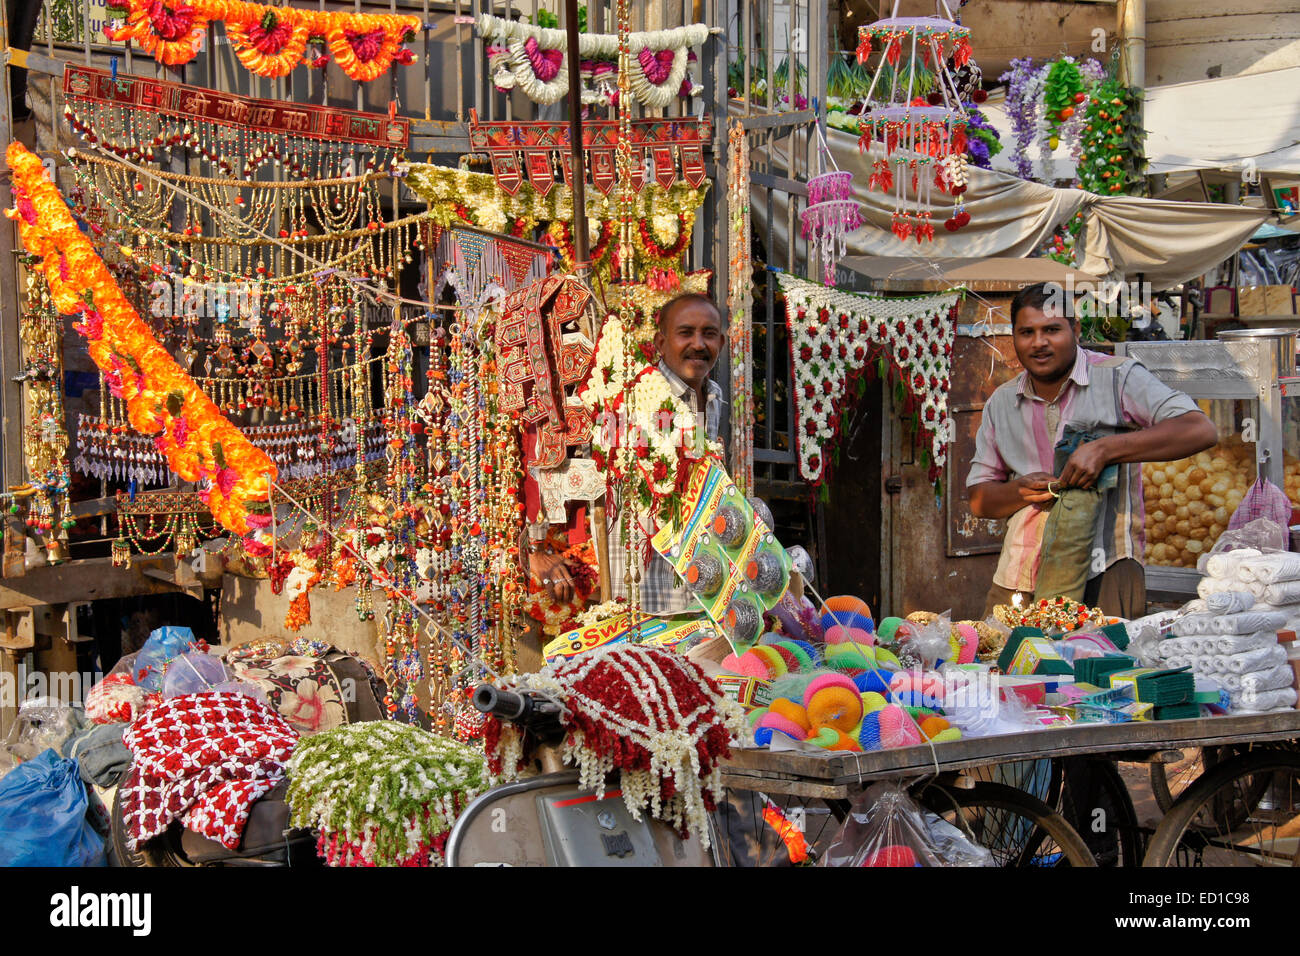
column 1231, row 123
column 1168, row 242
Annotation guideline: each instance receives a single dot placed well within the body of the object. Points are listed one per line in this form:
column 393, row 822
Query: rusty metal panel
column 942, row 556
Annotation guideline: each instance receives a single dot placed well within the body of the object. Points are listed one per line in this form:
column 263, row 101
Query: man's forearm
column 1169, row 440
column 996, row 499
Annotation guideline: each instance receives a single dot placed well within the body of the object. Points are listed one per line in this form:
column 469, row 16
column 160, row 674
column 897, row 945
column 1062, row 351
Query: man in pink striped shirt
column 1012, row 476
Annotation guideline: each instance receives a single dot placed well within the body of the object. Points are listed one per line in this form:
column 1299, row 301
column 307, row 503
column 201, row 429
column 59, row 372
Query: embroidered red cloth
column 203, row 759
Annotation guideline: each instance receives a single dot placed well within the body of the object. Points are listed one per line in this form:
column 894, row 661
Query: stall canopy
column 1166, row 242
column 1234, row 123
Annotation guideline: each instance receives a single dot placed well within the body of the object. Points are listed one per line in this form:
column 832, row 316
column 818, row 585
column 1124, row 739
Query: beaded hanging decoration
column 45, row 436
column 740, row 299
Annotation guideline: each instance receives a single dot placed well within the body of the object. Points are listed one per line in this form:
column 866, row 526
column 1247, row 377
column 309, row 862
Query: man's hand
column 1034, row 488
column 550, row 571
column 1002, row 499
column 1085, row 464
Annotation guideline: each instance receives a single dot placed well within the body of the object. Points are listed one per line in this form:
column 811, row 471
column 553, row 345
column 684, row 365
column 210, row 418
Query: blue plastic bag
column 43, row 816
column 164, row 644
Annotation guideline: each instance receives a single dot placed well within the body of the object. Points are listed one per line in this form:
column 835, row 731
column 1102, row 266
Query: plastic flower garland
column 1113, row 157
column 269, row 41
column 532, row 59
column 648, row 713
column 833, row 335
column 668, row 437
column 199, row 442
column 382, row 793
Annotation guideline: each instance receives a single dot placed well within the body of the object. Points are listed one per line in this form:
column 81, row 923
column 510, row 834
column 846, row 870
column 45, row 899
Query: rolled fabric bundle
column 1207, row 586
column 1248, row 622
column 1219, row 664
column 1271, row 568
column 1271, row 679
column 1230, row 682
column 1229, row 602
column 1190, row 625
column 1282, row 593
column 1283, row 698
column 1196, row 606
column 1250, row 661
column 1176, row 661
column 1178, row 645
column 1240, row 643
column 1226, row 563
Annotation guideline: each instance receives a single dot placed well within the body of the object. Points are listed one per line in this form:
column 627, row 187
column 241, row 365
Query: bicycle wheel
column 1196, row 831
column 1088, row 792
column 747, row 837
column 1018, row 829
column 1171, row 781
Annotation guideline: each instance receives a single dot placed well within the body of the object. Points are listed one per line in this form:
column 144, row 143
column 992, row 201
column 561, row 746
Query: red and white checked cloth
column 203, row 759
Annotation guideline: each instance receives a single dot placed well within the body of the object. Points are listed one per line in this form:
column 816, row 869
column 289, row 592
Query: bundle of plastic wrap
column 1246, row 622
column 1268, row 569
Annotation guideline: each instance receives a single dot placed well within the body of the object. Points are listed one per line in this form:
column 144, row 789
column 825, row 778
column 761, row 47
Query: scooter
column 548, row 820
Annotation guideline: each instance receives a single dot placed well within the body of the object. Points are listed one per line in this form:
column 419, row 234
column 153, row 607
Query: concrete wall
column 250, row 612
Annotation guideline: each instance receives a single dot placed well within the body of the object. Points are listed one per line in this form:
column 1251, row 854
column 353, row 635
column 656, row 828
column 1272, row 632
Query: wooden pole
column 578, row 163
column 11, row 392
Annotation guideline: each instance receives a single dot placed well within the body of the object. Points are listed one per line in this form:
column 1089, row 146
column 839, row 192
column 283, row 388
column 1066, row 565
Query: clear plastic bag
column 1264, row 502
column 885, row 827
column 923, row 645
column 193, row 672
column 42, row 724
column 164, row 644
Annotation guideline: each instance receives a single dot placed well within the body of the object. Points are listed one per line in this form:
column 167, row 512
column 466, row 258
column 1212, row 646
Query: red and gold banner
column 162, row 400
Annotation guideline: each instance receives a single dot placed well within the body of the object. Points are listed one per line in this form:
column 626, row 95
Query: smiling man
column 1125, row 416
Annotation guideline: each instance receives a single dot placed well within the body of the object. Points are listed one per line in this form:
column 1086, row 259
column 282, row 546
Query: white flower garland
column 593, row 45
column 826, row 350
column 369, row 785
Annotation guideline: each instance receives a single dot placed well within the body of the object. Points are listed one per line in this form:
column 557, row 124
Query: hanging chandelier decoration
column 832, row 212
column 914, row 112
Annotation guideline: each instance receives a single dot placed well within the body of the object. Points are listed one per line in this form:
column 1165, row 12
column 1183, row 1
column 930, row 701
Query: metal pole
column 578, row 165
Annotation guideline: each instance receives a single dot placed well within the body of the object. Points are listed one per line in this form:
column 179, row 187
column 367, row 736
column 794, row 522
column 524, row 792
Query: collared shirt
column 661, row 592
column 1018, row 435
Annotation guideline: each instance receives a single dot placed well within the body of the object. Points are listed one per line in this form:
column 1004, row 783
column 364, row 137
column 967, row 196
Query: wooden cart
column 1241, row 806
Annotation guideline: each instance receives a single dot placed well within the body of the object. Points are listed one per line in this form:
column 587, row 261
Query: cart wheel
column 1218, row 821
column 1094, row 800
column 1091, row 796
column 1171, row 781
column 1020, row 830
column 744, row 838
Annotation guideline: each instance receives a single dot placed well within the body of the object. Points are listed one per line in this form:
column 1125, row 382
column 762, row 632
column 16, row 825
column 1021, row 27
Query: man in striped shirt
column 1138, row 417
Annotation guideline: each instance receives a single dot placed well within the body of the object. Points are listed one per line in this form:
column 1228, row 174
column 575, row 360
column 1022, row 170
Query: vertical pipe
column 477, row 56
column 580, row 264
column 1133, row 48
column 11, row 394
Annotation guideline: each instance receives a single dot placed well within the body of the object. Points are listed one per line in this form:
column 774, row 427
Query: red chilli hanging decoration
column 914, row 115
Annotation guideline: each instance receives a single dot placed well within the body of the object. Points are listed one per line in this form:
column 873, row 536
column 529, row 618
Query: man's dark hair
column 686, row 298
column 1042, row 294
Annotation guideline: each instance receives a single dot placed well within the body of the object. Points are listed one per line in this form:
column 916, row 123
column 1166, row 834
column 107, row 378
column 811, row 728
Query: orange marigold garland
column 161, row 399
column 269, row 41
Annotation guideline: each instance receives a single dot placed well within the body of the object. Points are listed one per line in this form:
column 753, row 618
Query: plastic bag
column 193, row 672
column 886, row 828
column 43, row 818
column 1267, row 502
column 42, row 724
column 164, row 644
column 924, row 645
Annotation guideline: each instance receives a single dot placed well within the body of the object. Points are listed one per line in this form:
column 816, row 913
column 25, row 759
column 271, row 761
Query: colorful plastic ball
column 763, row 735
column 862, row 656
column 887, row 629
column 747, row 665
column 847, row 602
column 803, row 652
column 869, row 732
column 895, row 855
column 795, row 713
column 848, row 619
column 835, row 634
column 872, row 702
column 933, row 726
column 964, row 642
column 755, row 715
column 873, row 681
column 775, row 721
column 776, row 665
column 835, row 707
column 943, row 736
column 826, row 680
column 897, row 728
column 829, row 738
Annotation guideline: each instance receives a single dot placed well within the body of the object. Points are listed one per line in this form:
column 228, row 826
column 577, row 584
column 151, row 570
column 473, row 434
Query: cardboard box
column 750, row 692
